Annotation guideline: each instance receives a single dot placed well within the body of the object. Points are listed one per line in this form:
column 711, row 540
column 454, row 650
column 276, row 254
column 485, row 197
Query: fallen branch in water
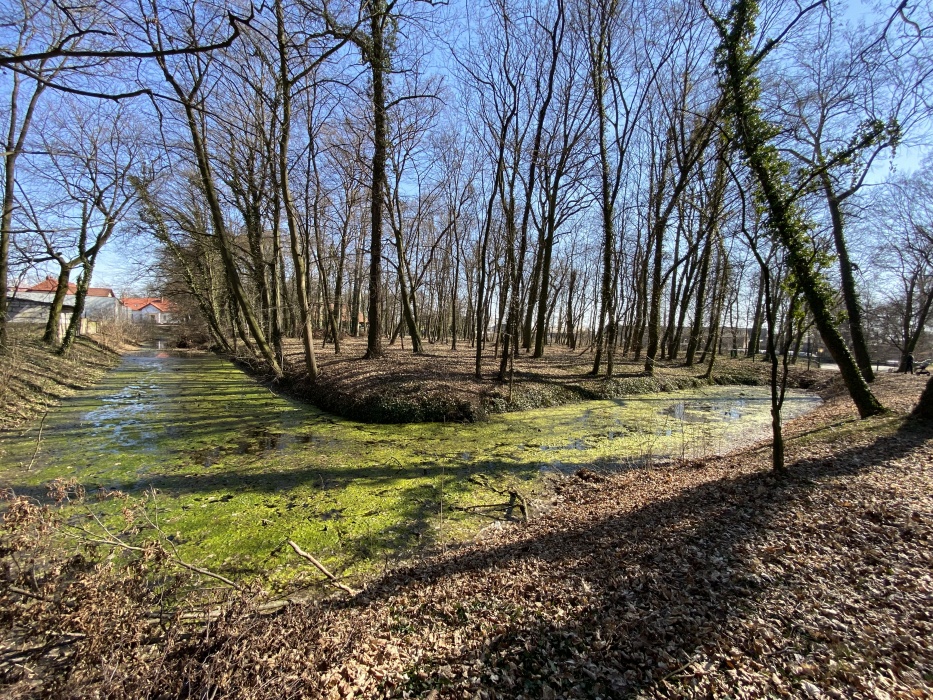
column 38, row 441
column 515, row 498
column 111, row 540
column 320, row 567
column 483, row 506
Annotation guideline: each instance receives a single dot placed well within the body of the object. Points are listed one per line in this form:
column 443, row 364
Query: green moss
column 237, row 470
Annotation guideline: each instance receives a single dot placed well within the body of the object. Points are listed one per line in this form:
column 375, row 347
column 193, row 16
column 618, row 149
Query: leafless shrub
column 87, row 606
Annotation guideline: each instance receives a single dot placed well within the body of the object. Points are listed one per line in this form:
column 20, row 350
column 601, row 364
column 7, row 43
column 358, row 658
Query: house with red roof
column 151, row 310
column 100, row 304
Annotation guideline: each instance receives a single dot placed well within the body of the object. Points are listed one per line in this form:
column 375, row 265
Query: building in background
column 151, row 310
column 100, row 304
column 36, row 312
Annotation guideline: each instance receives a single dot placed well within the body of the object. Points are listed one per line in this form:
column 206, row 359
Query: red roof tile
column 138, row 303
column 50, row 284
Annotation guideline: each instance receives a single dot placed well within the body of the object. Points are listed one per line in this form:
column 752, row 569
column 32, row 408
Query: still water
column 236, row 469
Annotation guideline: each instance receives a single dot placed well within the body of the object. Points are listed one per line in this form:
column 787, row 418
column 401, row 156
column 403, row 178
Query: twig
column 320, row 567
column 183, row 564
column 38, row 441
column 28, row 594
column 113, row 541
column 483, row 505
column 677, row 671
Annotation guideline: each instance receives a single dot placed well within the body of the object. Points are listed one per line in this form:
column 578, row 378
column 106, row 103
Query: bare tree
column 738, row 65
column 901, row 220
column 94, row 154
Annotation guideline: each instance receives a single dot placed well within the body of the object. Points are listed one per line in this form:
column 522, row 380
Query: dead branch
column 180, row 562
column 27, row 594
column 514, row 496
column 483, row 506
column 112, row 540
column 38, row 441
column 320, row 567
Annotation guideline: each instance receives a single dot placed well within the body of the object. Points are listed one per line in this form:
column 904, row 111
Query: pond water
column 237, row 469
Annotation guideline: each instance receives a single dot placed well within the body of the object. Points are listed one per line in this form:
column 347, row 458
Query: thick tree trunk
column 924, row 409
column 74, row 324
column 55, row 311
column 378, row 65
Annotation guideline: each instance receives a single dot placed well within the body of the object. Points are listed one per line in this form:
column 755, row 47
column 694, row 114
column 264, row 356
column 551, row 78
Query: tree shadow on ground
column 662, row 577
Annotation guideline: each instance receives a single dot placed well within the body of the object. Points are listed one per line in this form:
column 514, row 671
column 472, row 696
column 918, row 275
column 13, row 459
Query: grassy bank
column 33, row 377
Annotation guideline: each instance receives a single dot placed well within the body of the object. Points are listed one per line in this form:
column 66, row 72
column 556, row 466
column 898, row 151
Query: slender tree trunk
column 699, row 310
column 754, row 338
column 605, row 195
column 276, row 290
column 13, row 146
column 405, row 291
column 654, row 311
column 548, row 247
column 849, row 291
column 291, row 215
column 784, row 218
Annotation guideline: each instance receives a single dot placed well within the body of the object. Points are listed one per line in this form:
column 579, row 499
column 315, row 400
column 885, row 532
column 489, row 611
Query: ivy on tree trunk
column 737, row 64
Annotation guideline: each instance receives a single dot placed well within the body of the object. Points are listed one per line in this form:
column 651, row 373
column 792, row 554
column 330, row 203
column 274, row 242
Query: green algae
column 236, row 469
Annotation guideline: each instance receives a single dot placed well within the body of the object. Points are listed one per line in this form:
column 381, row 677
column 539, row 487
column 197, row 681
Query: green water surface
column 237, row 469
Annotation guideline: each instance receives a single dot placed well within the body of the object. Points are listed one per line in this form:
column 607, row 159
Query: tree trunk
column 13, row 146
column 605, row 196
column 291, row 215
column 74, row 324
column 924, row 409
column 699, row 310
column 379, row 63
column 58, row 301
column 784, row 218
column 849, row 291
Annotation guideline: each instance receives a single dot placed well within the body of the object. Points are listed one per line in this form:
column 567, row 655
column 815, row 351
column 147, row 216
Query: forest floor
column 440, row 384
column 689, row 579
